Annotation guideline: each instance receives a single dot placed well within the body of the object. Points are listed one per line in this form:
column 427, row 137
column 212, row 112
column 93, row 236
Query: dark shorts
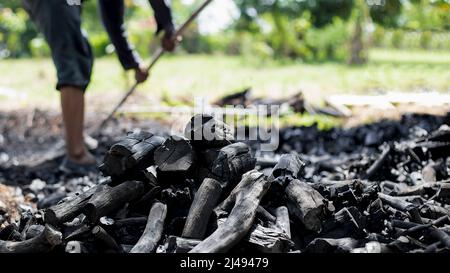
column 60, row 22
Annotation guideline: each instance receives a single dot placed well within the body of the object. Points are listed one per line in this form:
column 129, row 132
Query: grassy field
column 212, row 76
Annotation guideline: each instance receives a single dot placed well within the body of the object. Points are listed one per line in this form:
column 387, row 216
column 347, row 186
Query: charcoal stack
column 204, row 192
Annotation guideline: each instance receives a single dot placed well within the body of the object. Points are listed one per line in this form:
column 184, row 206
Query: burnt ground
column 28, row 137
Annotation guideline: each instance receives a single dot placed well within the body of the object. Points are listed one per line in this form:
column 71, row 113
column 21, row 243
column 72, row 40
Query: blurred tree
column 385, row 12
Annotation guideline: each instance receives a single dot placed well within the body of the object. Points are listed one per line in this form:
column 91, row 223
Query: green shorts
column 60, row 23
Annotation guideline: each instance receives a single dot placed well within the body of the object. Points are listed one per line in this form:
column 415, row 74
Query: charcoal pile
column 209, row 193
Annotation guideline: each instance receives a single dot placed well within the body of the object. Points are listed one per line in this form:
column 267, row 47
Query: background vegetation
column 305, row 30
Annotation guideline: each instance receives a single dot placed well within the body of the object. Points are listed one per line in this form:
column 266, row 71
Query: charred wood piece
column 44, row 242
column 306, row 205
column 269, row 239
column 69, row 209
column 326, row 245
column 105, row 239
column 242, row 204
column 180, row 245
column 153, row 230
column 175, row 155
column 204, row 202
column 207, row 132
column 133, row 152
column 264, row 214
column 375, row 167
column 112, row 198
column 232, row 162
column 288, row 168
column 402, row 205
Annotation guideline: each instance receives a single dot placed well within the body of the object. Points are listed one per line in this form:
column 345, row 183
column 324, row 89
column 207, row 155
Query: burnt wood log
column 10, row 233
column 105, row 239
column 134, row 221
column 305, row 204
column 269, row 239
column 143, row 204
column 398, row 189
column 207, row 132
column 402, row 205
column 288, row 168
column 441, row 235
column 375, row 167
column 133, row 152
column 348, row 222
column 265, row 215
column 176, row 244
column 80, row 233
column 433, row 211
column 204, row 202
column 231, row 163
column 175, row 155
column 412, row 228
column 327, row 245
column 112, row 198
column 243, row 203
column 153, row 230
column 282, row 220
column 33, row 231
column 69, row 209
column 44, row 242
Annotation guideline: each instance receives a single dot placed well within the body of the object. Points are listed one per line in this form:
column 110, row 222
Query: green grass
column 213, row 76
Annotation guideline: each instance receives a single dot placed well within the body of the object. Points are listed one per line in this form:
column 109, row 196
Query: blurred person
column 60, row 23
column 112, row 14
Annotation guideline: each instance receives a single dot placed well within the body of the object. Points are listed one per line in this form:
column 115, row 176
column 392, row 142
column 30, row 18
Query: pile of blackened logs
column 204, row 193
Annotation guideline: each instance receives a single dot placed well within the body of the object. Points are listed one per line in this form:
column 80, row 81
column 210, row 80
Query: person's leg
column 72, row 55
column 72, row 105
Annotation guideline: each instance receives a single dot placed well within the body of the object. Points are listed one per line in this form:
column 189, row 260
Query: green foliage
column 387, row 14
column 305, row 30
column 397, row 38
column 425, row 39
column 39, row 48
column 15, row 32
column 329, row 43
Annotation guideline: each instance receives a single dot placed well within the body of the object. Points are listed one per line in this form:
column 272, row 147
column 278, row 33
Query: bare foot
column 84, row 158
